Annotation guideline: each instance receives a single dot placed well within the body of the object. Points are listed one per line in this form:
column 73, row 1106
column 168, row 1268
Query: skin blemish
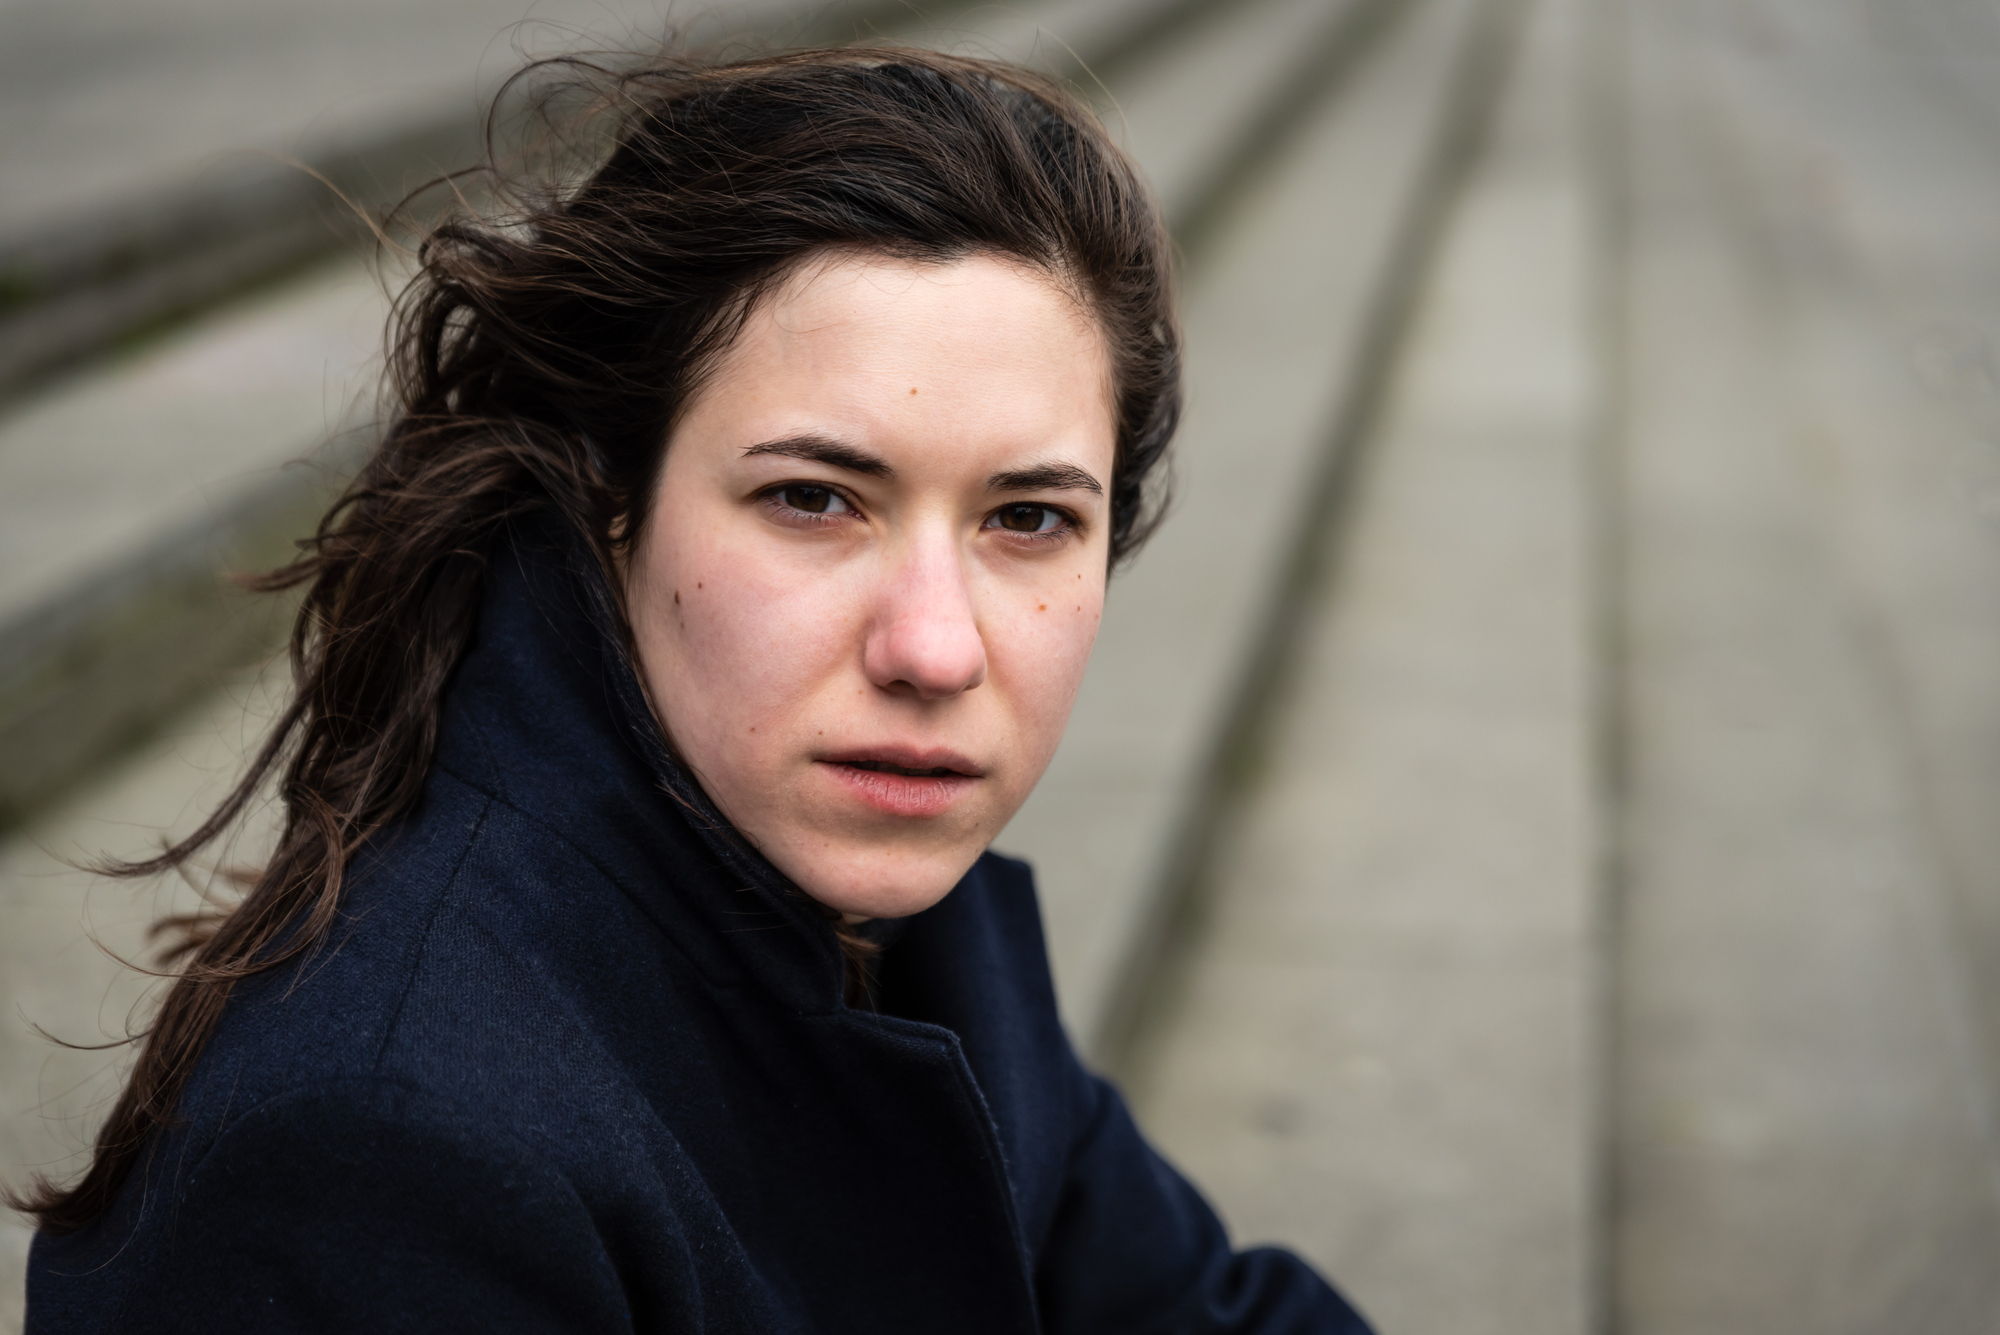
column 1041, row 607
column 913, row 389
column 677, row 597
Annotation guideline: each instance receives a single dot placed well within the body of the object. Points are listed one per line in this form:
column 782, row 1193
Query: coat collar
column 546, row 714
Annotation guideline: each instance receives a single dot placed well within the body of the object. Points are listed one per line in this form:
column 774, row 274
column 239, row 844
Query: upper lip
column 909, row 759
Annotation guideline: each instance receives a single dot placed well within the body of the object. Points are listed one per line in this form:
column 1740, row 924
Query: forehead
column 845, row 283
column 984, row 352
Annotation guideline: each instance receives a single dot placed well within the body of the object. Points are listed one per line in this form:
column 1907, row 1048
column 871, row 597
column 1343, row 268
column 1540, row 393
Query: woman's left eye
column 1028, row 519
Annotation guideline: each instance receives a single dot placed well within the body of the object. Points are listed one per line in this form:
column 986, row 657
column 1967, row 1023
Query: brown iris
column 1023, row 518
column 812, row 500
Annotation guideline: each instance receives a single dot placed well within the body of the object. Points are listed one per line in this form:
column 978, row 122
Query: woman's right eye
column 811, row 500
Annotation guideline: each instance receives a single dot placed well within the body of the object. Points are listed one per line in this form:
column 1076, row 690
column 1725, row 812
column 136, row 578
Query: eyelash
column 1068, row 524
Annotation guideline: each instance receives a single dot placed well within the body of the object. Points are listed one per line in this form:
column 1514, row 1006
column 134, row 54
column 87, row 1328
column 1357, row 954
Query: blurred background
column 1530, row 839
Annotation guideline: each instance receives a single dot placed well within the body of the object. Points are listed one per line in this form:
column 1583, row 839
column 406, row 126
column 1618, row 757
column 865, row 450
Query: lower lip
column 902, row 794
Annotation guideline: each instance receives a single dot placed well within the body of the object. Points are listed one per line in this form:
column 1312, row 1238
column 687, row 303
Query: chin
column 866, row 884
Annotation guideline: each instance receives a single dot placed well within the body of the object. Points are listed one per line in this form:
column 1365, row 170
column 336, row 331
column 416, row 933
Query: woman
column 632, row 957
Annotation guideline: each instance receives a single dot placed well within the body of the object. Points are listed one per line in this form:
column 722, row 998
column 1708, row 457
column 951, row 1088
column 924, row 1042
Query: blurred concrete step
column 66, row 932
column 1807, row 1094
column 239, row 147
column 1382, row 1045
column 1287, row 306
column 122, row 495
column 162, row 157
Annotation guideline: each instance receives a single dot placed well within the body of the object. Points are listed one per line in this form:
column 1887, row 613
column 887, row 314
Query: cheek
column 742, row 639
column 1040, row 648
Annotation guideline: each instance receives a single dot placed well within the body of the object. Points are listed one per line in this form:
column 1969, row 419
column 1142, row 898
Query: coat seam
column 996, row 1155
column 395, row 1019
column 586, row 856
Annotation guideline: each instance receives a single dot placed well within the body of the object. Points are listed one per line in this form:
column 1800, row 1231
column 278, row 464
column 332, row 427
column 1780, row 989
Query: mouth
column 884, row 767
column 904, row 783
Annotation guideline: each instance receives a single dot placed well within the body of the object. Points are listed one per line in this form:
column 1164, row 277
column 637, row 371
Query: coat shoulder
column 444, row 973
column 328, row 1012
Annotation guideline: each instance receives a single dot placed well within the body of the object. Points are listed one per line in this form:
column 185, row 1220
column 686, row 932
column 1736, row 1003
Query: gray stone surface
column 108, row 101
column 1383, row 1050
column 1807, row 1134
column 116, row 458
column 1274, row 320
column 124, row 492
column 105, row 99
column 236, row 151
column 67, row 931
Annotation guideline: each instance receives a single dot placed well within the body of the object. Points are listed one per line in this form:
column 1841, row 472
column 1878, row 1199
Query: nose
column 924, row 639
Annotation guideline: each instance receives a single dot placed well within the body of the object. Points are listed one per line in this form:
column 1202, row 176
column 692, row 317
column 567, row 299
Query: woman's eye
column 1028, row 518
column 812, row 500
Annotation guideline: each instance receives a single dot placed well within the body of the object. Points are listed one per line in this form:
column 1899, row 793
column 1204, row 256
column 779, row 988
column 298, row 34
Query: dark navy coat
column 579, row 1062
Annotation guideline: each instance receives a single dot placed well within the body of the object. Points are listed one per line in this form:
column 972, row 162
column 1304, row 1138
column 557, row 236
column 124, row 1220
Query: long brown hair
column 539, row 358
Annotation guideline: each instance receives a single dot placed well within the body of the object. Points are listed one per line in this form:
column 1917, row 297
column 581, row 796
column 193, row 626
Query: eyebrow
column 825, row 450
column 836, row 454
column 1044, row 477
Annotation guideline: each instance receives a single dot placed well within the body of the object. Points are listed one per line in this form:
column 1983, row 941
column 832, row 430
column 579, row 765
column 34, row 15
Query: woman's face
column 875, row 566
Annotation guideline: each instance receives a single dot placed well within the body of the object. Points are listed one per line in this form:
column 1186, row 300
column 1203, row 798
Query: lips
column 904, row 781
